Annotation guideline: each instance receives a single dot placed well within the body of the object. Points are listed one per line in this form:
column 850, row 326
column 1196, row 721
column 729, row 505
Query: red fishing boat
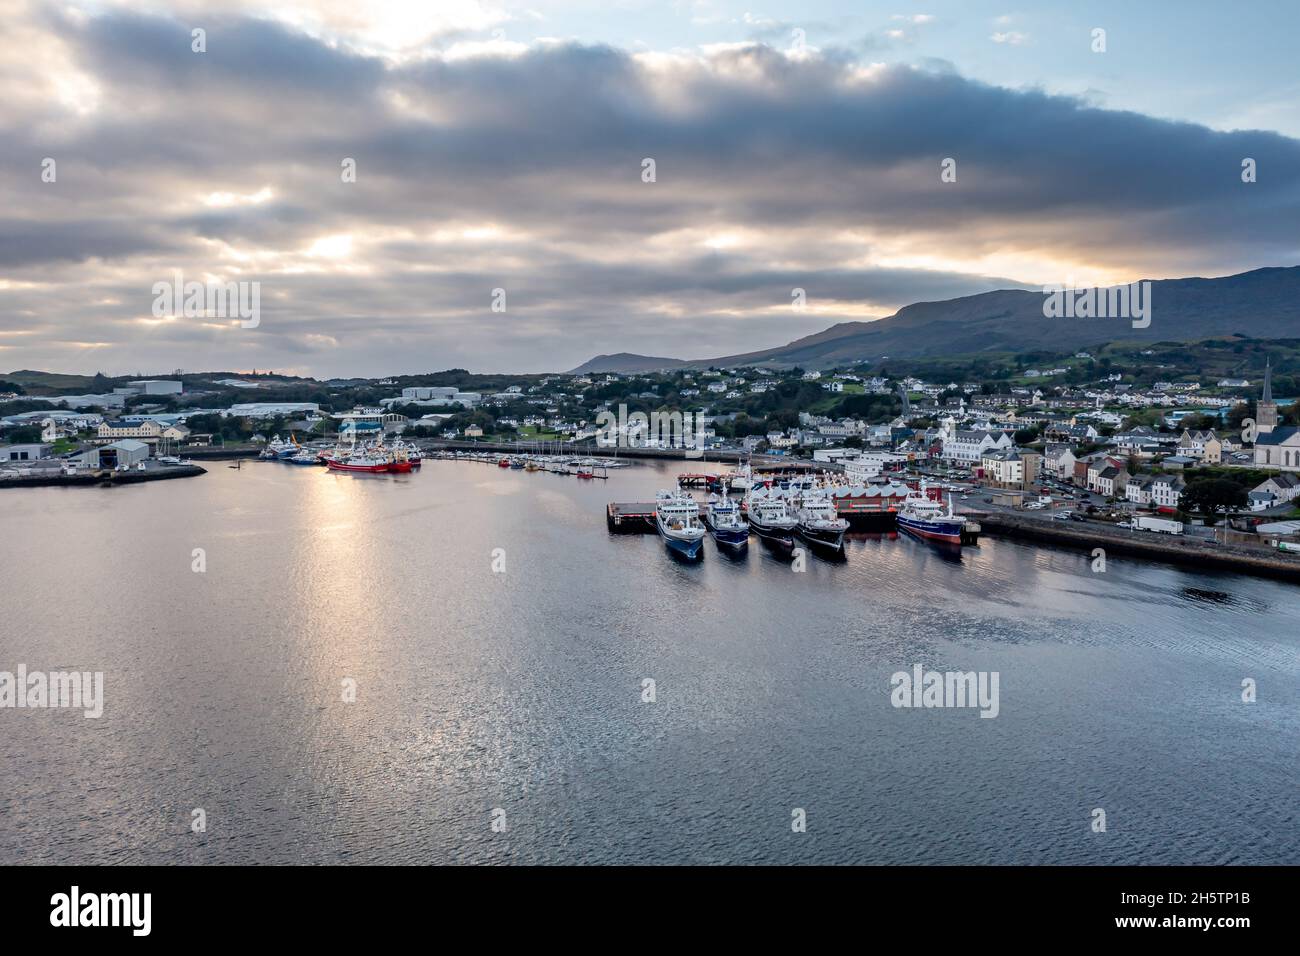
column 361, row 463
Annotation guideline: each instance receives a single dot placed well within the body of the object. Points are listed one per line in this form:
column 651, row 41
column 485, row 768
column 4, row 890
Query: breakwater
column 103, row 477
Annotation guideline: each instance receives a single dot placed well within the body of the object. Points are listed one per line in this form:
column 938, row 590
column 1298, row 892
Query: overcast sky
column 501, row 146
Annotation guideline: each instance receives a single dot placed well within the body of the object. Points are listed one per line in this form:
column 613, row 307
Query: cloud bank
column 482, row 165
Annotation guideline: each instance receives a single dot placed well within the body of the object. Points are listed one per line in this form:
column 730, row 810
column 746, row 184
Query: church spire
column 1266, row 410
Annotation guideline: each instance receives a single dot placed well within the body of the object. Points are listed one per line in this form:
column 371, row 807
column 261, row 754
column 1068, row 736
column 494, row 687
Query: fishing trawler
column 742, row 479
column 770, row 519
column 277, row 450
column 722, row 518
column 362, row 462
column 677, row 519
column 370, row 459
column 924, row 517
column 818, row 523
column 411, row 451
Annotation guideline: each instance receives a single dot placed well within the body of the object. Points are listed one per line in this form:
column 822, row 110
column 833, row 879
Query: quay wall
column 103, row 477
column 665, row 454
column 1159, row 547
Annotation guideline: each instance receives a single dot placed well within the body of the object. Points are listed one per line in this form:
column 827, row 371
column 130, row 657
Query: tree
column 1200, row 423
column 1208, row 496
column 1239, row 413
column 24, row 435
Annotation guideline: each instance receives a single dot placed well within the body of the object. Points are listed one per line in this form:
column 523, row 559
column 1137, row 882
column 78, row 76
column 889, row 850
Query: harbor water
column 531, row 688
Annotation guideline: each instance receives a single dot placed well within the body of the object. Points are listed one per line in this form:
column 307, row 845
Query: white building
column 270, row 409
column 1059, row 461
column 834, row 454
column 1138, row 490
column 149, row 386
column 127, row 452
column 1283, row 487
column 237, row 383
column 1279, row 448
column 1010, row 467
column 25, row 452
column 845, row 429
column 870, row 464
column 968, row 447
column 441, row 395
column 147, row 430
column 1167, row 490
column 106, row 400
column 386, row 420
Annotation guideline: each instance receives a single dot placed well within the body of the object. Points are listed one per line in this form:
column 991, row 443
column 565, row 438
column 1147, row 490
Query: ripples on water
column 522, row 690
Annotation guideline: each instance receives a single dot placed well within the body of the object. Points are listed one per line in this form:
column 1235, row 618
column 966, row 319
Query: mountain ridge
column 1262, row 303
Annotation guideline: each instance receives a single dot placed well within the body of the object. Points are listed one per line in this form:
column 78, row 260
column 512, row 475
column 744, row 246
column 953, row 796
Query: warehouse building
column 126, row 451
column 27, row 452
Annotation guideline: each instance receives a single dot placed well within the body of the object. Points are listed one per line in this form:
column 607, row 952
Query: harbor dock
column 630, row 517
column 638, row 517
column 103, row 477
column 1198, row 552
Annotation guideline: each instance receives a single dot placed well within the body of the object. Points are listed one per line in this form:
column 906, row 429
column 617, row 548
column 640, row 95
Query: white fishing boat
column 677, row 518
column 742, row 479
column 771, row 519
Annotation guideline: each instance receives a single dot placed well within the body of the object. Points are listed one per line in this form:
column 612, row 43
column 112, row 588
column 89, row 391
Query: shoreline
column 104, row 477
column 653, row 454
column 1168, row 548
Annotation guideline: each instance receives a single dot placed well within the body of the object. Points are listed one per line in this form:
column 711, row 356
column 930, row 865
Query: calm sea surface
column 522, row 690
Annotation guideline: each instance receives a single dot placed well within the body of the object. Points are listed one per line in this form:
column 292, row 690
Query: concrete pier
column 104, row 477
